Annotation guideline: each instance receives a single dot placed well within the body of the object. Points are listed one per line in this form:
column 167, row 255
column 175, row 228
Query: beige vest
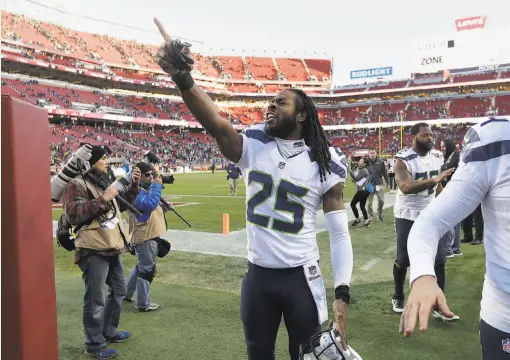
column 142, row 231
column 94, row 236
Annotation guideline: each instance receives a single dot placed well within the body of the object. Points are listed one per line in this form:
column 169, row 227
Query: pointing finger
column 162, row 30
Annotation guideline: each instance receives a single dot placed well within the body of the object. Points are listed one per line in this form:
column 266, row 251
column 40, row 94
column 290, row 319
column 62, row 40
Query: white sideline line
column 370, row 264
column 390, row 249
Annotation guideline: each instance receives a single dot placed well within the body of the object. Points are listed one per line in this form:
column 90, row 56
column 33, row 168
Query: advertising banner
column 370, row 73
column 471, row 23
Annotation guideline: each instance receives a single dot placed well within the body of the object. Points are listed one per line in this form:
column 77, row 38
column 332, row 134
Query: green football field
column 200, row 293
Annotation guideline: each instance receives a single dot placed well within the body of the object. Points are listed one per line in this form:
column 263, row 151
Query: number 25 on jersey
column 282, row 203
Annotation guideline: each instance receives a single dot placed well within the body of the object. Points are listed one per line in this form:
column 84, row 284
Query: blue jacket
column 233, row 171
column 148, row 201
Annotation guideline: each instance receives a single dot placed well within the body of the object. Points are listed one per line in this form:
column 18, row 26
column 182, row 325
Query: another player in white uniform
column 418, row 175
column 289, row 170
column 483, row 176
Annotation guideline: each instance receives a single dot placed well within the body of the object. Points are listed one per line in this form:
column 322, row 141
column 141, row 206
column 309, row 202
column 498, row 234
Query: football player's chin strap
column 341, row 252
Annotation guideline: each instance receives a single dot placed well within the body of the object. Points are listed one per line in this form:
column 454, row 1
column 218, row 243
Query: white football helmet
column 326, row 345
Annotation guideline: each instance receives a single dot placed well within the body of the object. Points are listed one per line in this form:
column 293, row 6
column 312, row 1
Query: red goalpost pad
column 29, row 309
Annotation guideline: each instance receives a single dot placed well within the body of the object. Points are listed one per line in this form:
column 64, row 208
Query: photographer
column 361, row 178
column 100, row 240
column 145, row 230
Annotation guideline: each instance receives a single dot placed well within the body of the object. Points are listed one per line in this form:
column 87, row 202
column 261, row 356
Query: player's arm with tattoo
column 341, row 254
column 407, row 185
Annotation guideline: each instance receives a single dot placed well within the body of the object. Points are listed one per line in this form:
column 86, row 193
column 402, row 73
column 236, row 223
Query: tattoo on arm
column 405, row 182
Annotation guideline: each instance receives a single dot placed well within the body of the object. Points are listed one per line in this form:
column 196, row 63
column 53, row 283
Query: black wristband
column 342, row 292
column 183, row 80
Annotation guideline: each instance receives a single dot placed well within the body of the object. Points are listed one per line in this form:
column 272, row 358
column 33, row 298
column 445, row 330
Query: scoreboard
column 472, row 42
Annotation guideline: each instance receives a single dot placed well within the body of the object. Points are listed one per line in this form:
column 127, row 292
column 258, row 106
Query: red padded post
column 29, row 309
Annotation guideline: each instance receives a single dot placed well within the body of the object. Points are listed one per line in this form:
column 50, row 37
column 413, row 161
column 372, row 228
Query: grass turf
column 200, row 294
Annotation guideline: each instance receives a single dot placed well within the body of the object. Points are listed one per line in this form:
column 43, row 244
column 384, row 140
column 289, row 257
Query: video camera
column 152, row 159
column 149, row 158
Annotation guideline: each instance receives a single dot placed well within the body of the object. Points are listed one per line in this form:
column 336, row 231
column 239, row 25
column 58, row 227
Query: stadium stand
column 129, row 122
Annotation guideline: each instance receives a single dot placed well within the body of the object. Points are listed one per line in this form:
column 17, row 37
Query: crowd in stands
column 185, row 148
column 128, row 145
column 159, row 108
column 59, row 45
column 100, row 49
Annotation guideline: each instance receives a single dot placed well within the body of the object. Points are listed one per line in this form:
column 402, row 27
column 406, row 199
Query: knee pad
column 402, row 262
column 149, row 276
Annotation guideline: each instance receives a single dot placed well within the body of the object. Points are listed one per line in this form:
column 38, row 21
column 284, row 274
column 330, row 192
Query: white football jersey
column 421, row 168
column 483, row 176
column 486, row 157
column 282, row 199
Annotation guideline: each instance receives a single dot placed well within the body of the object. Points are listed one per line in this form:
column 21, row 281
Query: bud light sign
column 369, row 73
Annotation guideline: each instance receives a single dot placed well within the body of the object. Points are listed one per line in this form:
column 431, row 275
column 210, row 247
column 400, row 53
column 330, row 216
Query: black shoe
column 476, row 242
column 398, row 305
column 356, row 222
column 466, row 240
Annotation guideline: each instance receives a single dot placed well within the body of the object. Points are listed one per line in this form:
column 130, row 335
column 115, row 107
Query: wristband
column 183, row 80
column 342, row 292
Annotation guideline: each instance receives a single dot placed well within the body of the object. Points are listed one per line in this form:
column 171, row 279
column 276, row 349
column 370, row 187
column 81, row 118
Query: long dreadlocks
column 314, row 134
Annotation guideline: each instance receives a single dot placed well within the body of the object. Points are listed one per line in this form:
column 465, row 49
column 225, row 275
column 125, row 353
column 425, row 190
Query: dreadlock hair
column 314, row 134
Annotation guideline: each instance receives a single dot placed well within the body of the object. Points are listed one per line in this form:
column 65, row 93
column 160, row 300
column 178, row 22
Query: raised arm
column 173, row 58
column 204, row 110
column 357, row 177
column 407, row 185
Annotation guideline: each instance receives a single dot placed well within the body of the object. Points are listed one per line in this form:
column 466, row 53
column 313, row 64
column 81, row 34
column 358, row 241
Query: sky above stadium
column 356, row 34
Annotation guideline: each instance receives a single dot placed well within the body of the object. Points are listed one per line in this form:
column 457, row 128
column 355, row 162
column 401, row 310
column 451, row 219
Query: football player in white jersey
column 418, row 175
column 289, row 171
column 483, row 176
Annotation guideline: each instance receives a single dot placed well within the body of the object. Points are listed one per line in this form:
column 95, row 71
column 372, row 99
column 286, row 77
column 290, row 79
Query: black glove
column 174, row 58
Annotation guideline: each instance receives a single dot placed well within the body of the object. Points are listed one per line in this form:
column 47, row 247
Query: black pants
column 266, row 295
column 495, row 343
column 467, row 225
column 403, row 228
column 393, row 183
column 361, row 198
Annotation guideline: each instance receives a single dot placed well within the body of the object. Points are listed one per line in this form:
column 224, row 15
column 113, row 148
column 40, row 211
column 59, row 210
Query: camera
column 152, row 159
column 167, row 179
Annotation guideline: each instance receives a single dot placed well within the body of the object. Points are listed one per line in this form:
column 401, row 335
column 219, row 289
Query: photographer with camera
column 100, row 240
column 145, row 230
